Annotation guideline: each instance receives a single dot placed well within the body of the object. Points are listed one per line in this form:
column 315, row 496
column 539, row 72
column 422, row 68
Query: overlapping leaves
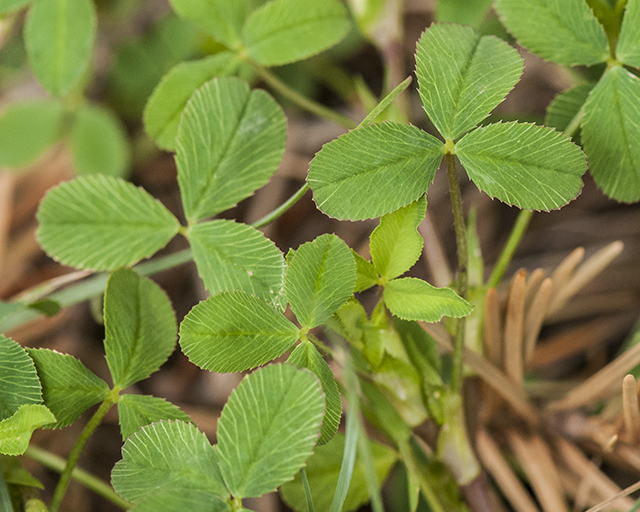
column 266, row 432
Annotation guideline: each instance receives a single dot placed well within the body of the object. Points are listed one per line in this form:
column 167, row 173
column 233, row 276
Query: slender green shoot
column 270, row 217
column 351, row 440
column 364, row 451
column 300, row 100
column 63, row 483
column 386, row 101
column 463, row 256
column 5, row 499
column 515, row 237
column 91, row 482
column 307, row 490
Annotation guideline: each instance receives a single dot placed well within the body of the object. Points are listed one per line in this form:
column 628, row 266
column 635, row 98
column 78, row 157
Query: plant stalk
column 92, row 482
column 463, row 258
column 300, row 100
column 270, row 217
column 515, row 237
column 87, row 431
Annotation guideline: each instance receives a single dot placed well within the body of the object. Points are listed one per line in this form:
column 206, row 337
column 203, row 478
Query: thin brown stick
column 494, row 378
column 533, row 284
column 601, row 383
column 6, row 203
column 561, row 276
column 625, row 492
column 579, row 464
column 492, row 328
column 585, row 273
column 504, row 477
column 513, row 328
column 630, row 411
column 535, row 316
column 538, row 464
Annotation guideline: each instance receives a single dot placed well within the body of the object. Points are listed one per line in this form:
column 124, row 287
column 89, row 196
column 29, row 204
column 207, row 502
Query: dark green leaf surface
column 366, row 275
column 234, row 256
column 234, row 331
column 320, row 278
column 6, row 6
column 165, row 106
column 463, row 76
column 396, row 244
column 323, row 468
column 284, row 31
column 374, row 170
column 168, row 455
column 15, row 432
column 413, row 299
column 268, row 429
column 137, row 411
column 562, row 31
column 222, row 19
column 59, row 38
column 170, row 500
column 102, row 223
column 465, row 12
column 628, row 49
column 99, row 143
column 230, row 142
column 529, row 166
column 27, row 130
column 19, row 382
column 140, row 327
column 306, row 355
column 68, row 387
column 565, row 106
column 610, row 134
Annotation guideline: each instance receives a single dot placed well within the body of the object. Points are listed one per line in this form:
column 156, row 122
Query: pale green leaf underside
column 171, row 500
column 19, row 384
column 628, row 49
column 463, row 76
column 374, row 170
column 529, row 166
column 229, row 143
column 413, row 299
column 284, row 31
column 7, row 6
column 268, row 429
column 366, row 275
column 323, row 469
column 170, row 455
column 15, row 432
column 306, row 355
column 320, row 278
column 68, row 387
column 99, row 143
column 610, row 134
column 222, row 19
column 565, row 106
column 140, row 327
column 396, row 244
column 562, row 31
column 27, row 130
column 234, row 331
column 102, row 223
column 233, row 256
column 163, row 110
column 137, row 411
column 59, row 38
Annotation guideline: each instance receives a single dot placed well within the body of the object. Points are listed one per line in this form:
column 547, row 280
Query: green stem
column 87, row 431
column 270, row 217
column 95, row 484
column 463, row 258
column 517, row 232
column 574, row 124
column 300, row 100
column 307, row 490
column 417, row 471
column 5, row 499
